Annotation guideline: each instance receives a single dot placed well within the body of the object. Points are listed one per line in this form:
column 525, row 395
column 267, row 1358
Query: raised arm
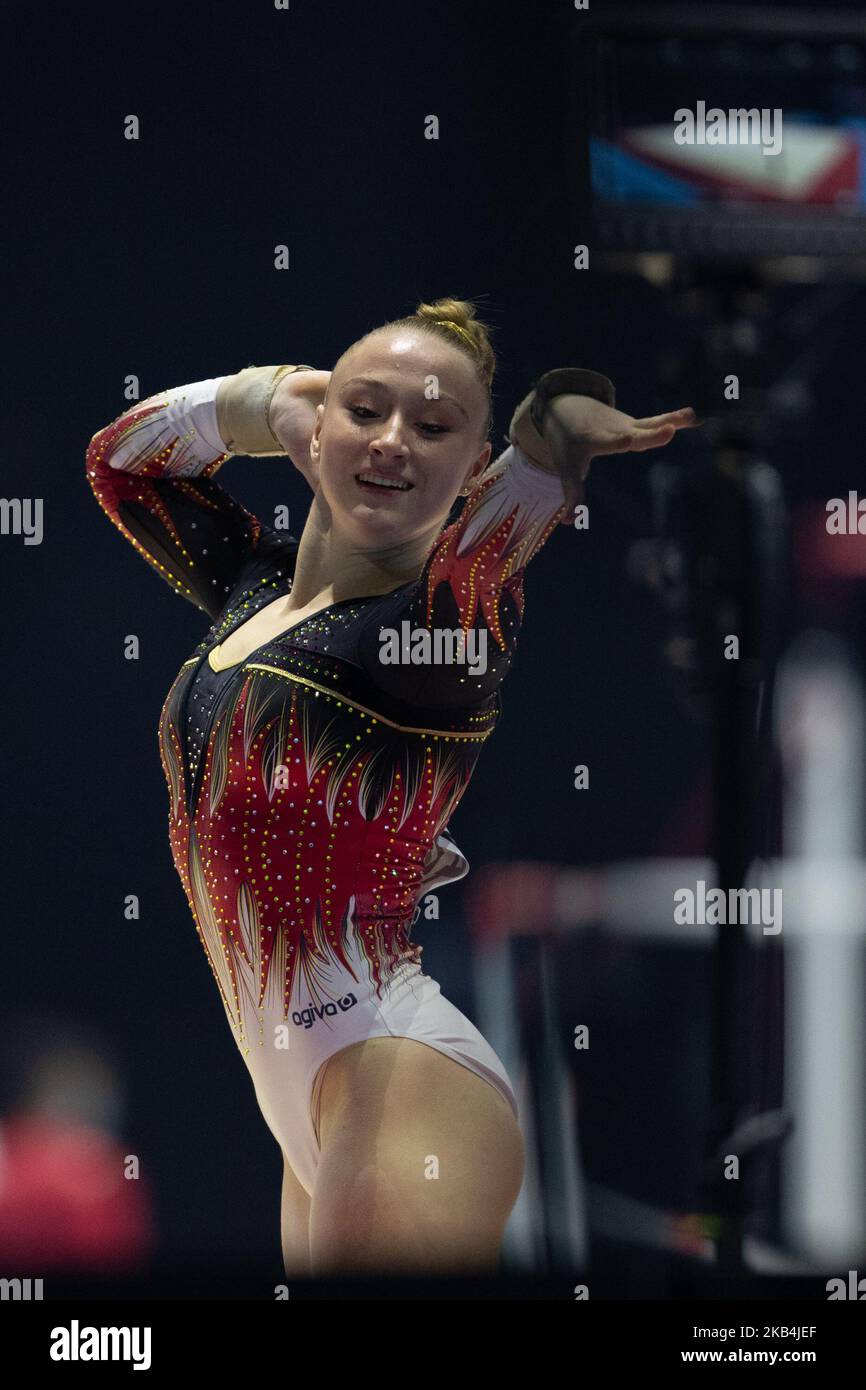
column 472, row 584
column 469, row 598
column 152, row 471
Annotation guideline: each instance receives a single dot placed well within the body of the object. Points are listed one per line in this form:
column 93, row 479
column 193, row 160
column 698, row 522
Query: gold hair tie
column 449, row 323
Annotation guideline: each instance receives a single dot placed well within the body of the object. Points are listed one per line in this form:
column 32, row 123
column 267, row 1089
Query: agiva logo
column 305, row 1018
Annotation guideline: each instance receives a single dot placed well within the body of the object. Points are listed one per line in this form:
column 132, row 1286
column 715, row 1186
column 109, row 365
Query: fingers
column 640, row 439
column 623, row 435
column 636, row 440
column 651, row 432
column 681, row 419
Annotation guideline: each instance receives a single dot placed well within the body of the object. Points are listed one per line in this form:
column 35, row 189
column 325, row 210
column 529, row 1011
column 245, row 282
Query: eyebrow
column 372, row 381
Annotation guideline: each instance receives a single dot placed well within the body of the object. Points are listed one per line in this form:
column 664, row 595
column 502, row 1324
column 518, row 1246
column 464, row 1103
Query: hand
column 292, row 416
column 580, row 428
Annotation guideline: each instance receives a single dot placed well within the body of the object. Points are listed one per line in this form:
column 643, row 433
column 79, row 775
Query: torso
column 304, row 798
column 265, row 626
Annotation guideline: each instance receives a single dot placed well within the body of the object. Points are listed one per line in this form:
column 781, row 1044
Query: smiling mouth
column 379, row 482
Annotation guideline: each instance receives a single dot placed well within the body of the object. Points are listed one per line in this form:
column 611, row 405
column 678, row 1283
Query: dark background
column 155, row 257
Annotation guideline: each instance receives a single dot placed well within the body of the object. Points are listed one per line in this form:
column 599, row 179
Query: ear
column 471, row 480
column 309, row 466
column 315, row 445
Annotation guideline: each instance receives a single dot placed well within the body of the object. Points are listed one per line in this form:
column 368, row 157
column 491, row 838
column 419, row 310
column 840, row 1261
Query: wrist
column 568, row 381
column 243, row 410
column 527, row 423
column 306, row 384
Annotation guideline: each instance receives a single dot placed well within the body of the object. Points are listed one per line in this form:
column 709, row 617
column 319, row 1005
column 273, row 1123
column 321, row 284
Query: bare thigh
column 295, row 1224
column 421, row 1162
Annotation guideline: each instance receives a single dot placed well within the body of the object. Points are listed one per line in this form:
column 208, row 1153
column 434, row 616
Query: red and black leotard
column 309, row 783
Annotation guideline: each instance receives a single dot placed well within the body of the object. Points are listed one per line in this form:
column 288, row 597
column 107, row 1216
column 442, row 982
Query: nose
column 389, row 443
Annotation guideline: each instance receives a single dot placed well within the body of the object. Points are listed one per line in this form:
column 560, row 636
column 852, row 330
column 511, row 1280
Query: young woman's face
column 404, row 408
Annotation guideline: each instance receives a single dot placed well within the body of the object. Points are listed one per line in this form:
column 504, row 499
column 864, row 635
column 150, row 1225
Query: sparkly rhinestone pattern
column 308, row 783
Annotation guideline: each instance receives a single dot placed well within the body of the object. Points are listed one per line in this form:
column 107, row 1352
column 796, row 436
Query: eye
column 422, row 424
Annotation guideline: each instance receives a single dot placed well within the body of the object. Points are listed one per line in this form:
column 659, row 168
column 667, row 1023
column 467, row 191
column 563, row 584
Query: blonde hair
column 455, row 322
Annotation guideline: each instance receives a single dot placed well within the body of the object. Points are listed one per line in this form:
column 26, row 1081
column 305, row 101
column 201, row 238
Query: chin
column 376, row 523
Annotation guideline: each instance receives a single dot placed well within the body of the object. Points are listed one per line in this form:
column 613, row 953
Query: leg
column 295, row 1224
column 421, row 1162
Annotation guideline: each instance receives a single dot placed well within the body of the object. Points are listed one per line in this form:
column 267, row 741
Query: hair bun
column 457, row 318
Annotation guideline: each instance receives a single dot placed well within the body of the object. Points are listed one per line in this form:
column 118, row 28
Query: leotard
column 310, row 785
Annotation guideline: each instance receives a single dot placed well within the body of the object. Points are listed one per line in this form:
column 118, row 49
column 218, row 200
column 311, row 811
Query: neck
column 331, row 568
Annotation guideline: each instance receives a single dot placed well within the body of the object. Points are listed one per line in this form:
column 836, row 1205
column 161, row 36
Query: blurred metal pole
column 563, row 1182
column 547, row 1229
column 821, row 733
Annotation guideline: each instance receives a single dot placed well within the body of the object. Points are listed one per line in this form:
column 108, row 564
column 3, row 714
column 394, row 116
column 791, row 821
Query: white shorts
column 285, row 1057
